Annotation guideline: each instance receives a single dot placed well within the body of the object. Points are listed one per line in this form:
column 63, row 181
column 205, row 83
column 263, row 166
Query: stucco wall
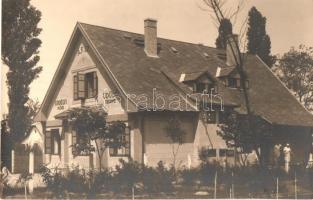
column 160, row 147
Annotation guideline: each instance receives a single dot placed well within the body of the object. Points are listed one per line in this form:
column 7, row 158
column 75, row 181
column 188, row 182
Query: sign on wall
column 60, row 104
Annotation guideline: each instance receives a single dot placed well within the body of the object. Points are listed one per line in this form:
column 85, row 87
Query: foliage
column 225, row 29
column 166, row 177
column 295, row 69
column 20, row 45
column 258, row 41
column 90, row 122
column 102, row 181
column 176, row 134
column 127, row 175
column 207, row 172
column 56, row 182
column 174, row 131
column 76, row 180
column 236, row 132
column 156, row 180
column 189, row 176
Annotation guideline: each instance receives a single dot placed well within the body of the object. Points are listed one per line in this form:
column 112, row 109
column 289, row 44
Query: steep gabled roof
column 136, row 74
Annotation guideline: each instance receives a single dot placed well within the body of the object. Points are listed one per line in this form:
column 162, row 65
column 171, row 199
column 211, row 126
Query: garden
column 137, row 181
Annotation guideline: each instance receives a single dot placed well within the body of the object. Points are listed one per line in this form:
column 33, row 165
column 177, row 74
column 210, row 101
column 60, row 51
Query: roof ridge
column 141, row 34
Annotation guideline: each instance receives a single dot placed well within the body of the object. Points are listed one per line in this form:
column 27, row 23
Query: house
column 145, row 81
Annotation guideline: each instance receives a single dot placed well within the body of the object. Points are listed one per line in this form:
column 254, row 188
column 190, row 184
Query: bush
column 102, row 181
column 76, row 181
column 189, row 176
column 56, row 182
column 207, row 172
column 126, row 175
column 150, row 180
column 166, row 177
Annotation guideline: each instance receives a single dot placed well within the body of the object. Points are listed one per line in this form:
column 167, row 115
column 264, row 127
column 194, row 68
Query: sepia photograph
column 146, row 99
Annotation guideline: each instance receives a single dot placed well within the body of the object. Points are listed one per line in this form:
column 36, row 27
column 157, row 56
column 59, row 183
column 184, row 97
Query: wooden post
column 232, row 185
column 277, row 188
column 133, row 193
column 215, row 184
column 12, row 161
column 31, row 171
column 296, row 195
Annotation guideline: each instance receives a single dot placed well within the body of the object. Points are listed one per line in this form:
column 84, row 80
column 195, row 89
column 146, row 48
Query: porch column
column 12, row 161
column 31, row 171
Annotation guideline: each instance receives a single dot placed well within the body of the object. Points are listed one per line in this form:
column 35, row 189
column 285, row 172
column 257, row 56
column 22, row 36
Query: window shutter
column 81, row 86
column 48, row 142
column 75, row 87
column 127, row 140
column 95, row 84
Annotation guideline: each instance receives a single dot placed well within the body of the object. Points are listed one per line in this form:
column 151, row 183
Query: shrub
column 76, row 180
column 150, row 180
column 102, row 181
column 55, row 181
column 189, row 176
column 165, row 177
column 126, row 175
column 207, row 172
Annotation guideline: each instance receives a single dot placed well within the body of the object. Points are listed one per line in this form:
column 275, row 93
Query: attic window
column 174, row 50
column 236, row 83
column 233, row 83
column 204, row 88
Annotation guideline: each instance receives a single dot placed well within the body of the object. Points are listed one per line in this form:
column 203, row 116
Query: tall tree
column 20, row 45
column 225, row 29
column 295, row 69
column 258, row 41
column 236, row 132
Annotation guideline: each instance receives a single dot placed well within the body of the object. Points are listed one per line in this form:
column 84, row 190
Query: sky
column 289, row 23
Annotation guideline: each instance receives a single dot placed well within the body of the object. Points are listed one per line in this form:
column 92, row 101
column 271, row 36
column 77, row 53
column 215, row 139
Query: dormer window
column 233, row 82
column 204, row 88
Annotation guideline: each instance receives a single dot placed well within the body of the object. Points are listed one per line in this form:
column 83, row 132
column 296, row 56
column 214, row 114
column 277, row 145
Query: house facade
column 145, row 81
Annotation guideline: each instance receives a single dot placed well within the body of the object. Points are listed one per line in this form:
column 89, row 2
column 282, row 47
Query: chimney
column 151, row 44
column 232, row 53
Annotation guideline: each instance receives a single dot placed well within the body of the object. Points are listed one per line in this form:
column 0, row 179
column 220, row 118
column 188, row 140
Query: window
column 200, row 87
column 211, row 153
column 204, row 88
column 232, row 83
column 52, row 142
column 226, row 153
column 85, row 85
column 91, row 84
column 78, row 143
column 230, row 153
column 123, row 150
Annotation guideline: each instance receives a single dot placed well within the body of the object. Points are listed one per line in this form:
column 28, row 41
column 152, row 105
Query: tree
column 176, row 134
column 295, row 69
column 20, row 45
column 259, row 42
column 91, row 123
column 236, row 132
column 225, row 29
